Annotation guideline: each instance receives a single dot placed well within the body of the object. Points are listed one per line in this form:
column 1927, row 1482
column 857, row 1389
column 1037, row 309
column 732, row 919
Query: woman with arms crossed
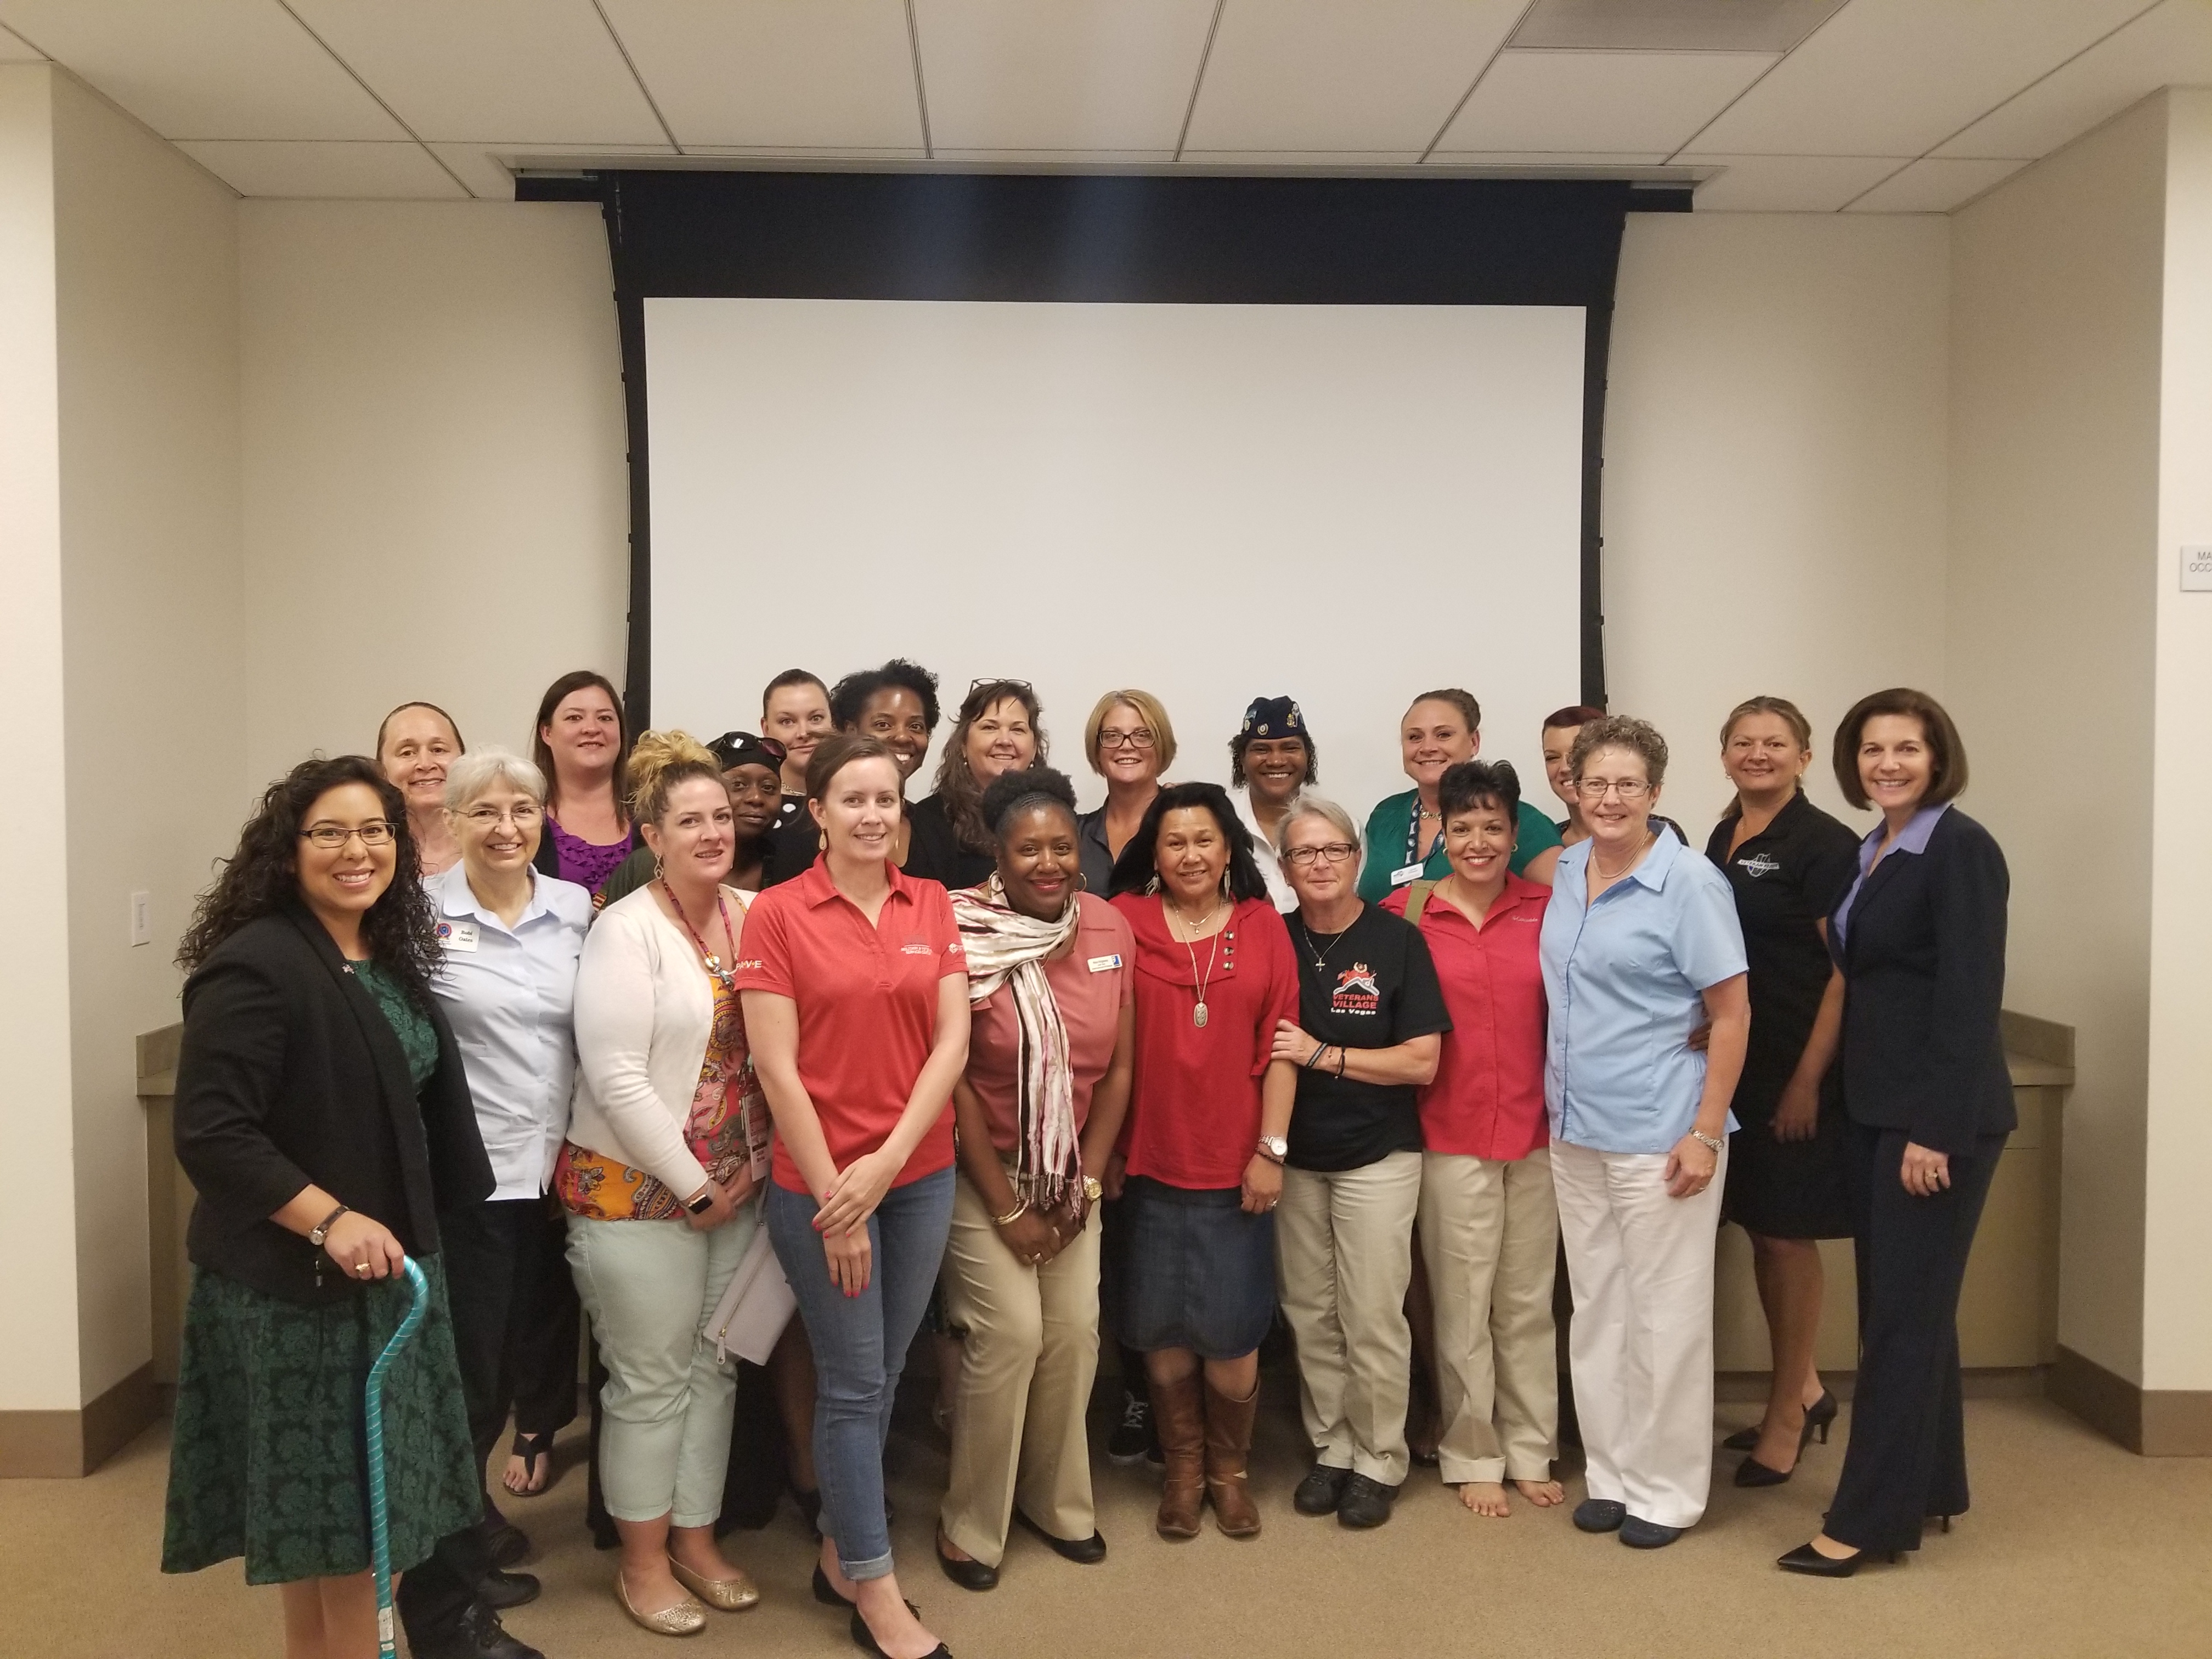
column 1640, row 946
column 1920, row 937
column 1210, row 1106
column 856, row 994
column 1047, row 1084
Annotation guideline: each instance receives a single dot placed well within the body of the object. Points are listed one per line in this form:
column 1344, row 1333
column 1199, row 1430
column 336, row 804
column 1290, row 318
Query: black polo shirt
column 1373, row 987
column 1786, row 878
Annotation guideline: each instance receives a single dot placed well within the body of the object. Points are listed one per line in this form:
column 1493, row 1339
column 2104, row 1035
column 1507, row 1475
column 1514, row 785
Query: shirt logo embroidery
column 1356, row 992
column 748, row 962
column 1757, row 865
column 914, row 947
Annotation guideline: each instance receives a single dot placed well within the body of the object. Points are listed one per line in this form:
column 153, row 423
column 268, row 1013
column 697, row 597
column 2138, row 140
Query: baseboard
column 2154, row 1422
column 63, row 1445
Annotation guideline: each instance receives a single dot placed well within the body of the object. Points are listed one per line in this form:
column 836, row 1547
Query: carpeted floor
column 2076, row 1548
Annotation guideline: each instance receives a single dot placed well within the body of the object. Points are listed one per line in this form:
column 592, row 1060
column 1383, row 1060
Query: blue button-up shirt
column 511, row 996
column 1913, row 838
column 1624, row 978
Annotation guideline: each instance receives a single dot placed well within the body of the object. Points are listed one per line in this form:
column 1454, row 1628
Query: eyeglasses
column 1139, row 739
column 973, row 686
column 1627, row 788
column 520, row 817
column 1336, row 852
column 331, row 836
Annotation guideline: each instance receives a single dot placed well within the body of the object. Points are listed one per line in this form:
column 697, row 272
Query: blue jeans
column 859, row 1345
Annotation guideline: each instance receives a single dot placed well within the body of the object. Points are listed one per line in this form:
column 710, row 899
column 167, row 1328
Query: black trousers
column 1907, row 1458
column 432, row 1595
column 515, row 1317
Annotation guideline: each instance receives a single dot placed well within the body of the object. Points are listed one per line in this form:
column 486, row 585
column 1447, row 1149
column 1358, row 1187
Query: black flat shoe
column 968, row 1575
column 1083, row 1551
column 826, row 1593
column 1600, row 1515
column 1320, row 1492
column 864, row 1639
column 1813, row 1564
column 1641, row 1534
column 1366, row 1504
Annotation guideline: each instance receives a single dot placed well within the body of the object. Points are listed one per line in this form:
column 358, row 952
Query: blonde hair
column 659, row 761
column 1149, row 710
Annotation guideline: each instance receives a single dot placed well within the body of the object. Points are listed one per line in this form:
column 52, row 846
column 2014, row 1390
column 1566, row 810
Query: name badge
column 1405, row 873
column 1100, row 964
column 458, row 935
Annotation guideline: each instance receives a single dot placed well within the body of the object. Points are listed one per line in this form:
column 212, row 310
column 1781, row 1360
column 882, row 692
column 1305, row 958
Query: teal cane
column 380, row 1524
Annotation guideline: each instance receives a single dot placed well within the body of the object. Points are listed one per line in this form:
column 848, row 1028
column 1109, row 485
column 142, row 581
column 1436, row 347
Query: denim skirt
column 1192, row 1271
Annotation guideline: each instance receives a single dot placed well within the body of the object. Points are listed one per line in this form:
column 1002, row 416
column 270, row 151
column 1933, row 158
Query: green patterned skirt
column 268, row 1459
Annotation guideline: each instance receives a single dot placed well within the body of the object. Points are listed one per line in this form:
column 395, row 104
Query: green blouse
column 418, row 1036
column 1391, row 822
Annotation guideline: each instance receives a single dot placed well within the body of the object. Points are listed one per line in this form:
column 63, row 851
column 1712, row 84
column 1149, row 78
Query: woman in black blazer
column 1920, row 937
column 324, row 1118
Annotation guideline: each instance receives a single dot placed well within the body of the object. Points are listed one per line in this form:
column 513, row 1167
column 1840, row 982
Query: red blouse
column 1194, row 1101
column 1487, row 1098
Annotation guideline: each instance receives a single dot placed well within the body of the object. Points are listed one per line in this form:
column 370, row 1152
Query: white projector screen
column 1346, row 504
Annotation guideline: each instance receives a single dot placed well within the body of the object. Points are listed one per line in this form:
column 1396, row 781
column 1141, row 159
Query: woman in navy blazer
column 1920, row 937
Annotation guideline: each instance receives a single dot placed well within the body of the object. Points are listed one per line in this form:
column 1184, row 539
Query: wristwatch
column 1275, row 1148
column 703, row 1203
column 1713, row 1144
column 322, row 1230
column 1093, row 1189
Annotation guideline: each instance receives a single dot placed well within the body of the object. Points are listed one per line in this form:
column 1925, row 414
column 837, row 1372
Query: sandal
column 531, row 1449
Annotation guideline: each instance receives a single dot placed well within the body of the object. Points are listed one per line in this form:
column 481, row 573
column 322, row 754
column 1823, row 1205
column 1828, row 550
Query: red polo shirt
column 867, row 1005
column 1194, row 1099
column 1487, row 1098
column 1090, row 986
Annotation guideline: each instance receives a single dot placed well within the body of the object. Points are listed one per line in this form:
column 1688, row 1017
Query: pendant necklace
column 1197, row 984
column 1320, row 955
column 714, row 963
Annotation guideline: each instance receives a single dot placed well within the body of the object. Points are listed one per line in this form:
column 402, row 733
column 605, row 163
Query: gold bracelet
column 1011, row 1216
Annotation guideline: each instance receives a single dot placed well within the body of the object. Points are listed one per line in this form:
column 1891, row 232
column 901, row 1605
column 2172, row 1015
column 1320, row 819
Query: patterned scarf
column 1005, row 947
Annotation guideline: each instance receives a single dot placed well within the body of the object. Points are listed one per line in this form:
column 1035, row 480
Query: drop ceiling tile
column 1342, row 75
column 827, row 73
column 1077, row 158
column 1600, row 99
column 489, row 170
column 2170, row 47
column 544, row 71
column 370, row 172
column 1546, row 158
column 1897, row 77
column 1243, row 159
column 1930, row 186
column 1790, row 184
column 205, row 69
column 808, row 152
column 1070, row 74
column 13, row 49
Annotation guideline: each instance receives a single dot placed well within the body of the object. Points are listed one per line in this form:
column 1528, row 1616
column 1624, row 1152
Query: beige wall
column 2055, row 458
column 437, row 500
column 1774, row 479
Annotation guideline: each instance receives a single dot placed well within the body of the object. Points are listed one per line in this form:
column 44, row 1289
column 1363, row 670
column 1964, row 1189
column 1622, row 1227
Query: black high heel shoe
column 1753, row 1473
column 1809, row 1561
column 826, row 1593
column 864, row 1639
column 1819, row 1414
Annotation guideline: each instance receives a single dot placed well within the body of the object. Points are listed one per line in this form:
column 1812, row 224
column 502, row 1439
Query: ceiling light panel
column 1930, row 186
column 768, row 74
column 1059, row 75
column 1897, row 77
column 545, row 71
column 1605, row 100
column 394, row 171
column 2170, row 47
column 205, row 69
column 1768, row 26
column 1342, row 76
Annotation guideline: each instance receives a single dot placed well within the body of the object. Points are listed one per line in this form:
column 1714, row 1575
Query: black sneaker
column 1320, row 1492
column 1132, row 1440
column 1364, row 1504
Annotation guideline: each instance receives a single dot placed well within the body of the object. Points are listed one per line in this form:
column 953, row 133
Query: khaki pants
column 1343, row 1257
column 1490, row 1238
column 1030, row 1354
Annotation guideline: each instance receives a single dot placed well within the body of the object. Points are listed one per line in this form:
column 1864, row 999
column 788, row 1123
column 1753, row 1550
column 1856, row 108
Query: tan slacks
column 1344, row 1255
column 1026, row 1368
column 1490, row 1238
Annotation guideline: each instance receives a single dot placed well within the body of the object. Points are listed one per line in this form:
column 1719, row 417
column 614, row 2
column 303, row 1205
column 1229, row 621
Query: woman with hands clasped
column 855, row 989
column 1047, row 1082
column 668, row 1141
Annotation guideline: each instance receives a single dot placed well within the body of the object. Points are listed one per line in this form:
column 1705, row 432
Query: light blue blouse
column 1623, row 978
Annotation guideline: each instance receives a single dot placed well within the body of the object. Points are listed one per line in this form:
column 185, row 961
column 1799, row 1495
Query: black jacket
column 291, row 1074
column 1923, row 955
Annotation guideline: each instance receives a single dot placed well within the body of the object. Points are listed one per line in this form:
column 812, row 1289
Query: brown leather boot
column 1228, row 1450
column 1179, row 1419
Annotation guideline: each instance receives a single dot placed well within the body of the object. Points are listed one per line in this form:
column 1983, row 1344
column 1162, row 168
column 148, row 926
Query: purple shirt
column 1913, row 838
column 584, row 862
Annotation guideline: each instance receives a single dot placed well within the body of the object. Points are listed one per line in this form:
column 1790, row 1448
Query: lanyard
column 1413, row 832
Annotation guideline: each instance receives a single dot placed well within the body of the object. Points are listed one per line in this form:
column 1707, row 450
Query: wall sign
column 2196, row 568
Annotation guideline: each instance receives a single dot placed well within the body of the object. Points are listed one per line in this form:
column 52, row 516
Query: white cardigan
column 643, row 1015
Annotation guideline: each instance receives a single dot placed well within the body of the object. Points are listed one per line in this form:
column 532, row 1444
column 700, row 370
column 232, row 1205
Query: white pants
column 1641, row 1264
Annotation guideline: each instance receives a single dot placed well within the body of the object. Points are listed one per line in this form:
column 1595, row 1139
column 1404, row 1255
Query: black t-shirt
column 1786, row 878
column 932, row 851
column 1373, row 988
column 791, row 824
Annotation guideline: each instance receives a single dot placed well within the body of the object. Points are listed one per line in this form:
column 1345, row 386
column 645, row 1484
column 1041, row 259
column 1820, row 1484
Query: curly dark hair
column 850, row 695
column 1030, row 787
column 1138, row 863
column 262, row 878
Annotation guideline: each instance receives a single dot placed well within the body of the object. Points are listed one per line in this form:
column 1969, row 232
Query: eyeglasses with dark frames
column 331, row 836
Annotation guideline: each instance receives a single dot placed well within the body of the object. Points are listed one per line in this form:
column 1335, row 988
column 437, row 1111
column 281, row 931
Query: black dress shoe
column 1364, row 1504
column 826, row 1593
column 1083, row 1551
column 479, row 1635
column 500, row 1589
column 864, row 1639
column 1600, row 1515
column 1809, row 1561
column 968, row 1575
column 507, row 1542
column 1817, row 1417
column 1320, row 1492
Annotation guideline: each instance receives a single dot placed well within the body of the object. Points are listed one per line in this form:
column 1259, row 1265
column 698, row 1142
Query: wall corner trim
column 2150, row 1422
column 63, row 1445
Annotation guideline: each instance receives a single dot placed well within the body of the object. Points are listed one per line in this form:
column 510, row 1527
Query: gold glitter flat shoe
column 727, row 1595
column 686, row 1618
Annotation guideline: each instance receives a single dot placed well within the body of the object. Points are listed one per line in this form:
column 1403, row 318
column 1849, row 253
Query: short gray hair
column 1307, row 804
column 1638, row 737
column 483, row 769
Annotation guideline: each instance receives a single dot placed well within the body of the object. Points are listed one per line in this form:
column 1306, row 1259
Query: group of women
column 678, row 1036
